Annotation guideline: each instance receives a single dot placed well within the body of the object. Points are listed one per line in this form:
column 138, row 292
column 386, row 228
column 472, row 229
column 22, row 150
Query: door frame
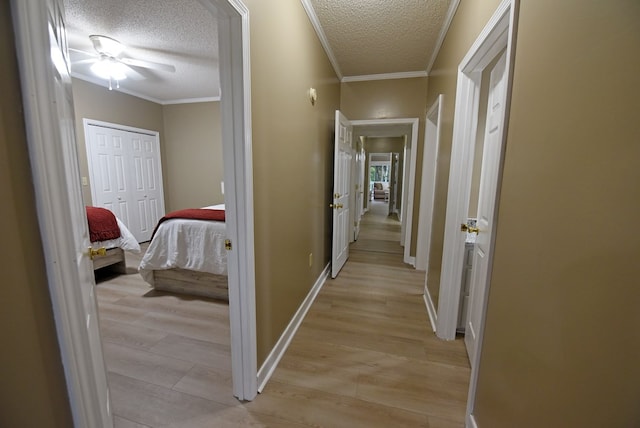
column 408, row 183
column 432, row 133
column 498, row 34
column 84, row 378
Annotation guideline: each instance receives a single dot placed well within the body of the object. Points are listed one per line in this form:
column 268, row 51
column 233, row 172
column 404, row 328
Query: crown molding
column 315, row 22
column 104, row 84
column 385, row 76
column 451, row 12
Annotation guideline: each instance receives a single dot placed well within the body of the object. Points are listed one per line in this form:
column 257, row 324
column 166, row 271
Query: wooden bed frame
column 114, row 257
column 191, row 282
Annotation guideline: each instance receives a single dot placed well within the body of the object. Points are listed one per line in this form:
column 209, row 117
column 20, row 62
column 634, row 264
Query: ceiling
column 361, row 37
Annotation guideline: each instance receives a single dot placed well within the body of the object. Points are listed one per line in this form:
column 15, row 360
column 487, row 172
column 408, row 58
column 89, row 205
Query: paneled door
column 343, row 154
column 126, row 175
column 486, row 203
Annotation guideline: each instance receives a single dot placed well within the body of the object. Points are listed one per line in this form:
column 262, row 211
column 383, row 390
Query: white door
column 486, row 203
column 341, row 196
column 126, row 176
column 109, row 173
column 76, row 245
column 147, row 188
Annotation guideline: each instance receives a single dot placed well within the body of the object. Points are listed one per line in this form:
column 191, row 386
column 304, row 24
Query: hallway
column 364, row 356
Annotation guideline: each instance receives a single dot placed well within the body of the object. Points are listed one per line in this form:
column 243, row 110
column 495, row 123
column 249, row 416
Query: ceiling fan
column 110, row 64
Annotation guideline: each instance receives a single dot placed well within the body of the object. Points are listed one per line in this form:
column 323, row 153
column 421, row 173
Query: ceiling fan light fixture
column 109, row 69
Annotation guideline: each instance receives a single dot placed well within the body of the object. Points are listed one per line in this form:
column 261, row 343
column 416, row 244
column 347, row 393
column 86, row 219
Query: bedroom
column 134, row 318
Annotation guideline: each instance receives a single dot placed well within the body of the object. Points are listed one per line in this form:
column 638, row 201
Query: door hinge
column 227, row 244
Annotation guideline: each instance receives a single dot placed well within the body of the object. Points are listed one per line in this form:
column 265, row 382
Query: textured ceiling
column 366, row 37
column 381, row 36
column 181, row 33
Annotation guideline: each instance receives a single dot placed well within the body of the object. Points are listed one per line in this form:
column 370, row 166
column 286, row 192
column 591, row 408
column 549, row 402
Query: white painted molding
column 272, row 360
column 471, row 422
column 431, row 309
column 235, row 80
column 102, row 83
column 315, row 22
column 58, row 203
column 191, row 100
column 432, row 131
column 451, row 12
column 408, row 197
column 384, row 76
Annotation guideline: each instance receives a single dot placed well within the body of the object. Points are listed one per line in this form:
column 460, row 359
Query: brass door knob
column 470, row 229
column 99, row 252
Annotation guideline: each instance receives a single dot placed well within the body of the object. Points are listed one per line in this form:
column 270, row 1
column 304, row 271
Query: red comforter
column 192, row 214
column 102, row 224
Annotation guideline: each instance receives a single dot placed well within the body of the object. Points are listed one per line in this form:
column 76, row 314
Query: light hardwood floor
column 364, row 356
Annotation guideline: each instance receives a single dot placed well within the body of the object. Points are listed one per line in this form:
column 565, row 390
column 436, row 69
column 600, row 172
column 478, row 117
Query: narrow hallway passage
column 365, row 355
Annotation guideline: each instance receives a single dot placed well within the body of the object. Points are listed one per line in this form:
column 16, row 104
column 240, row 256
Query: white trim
column 105, row 84
column 408, row 183
column 428, row 188
column 191, row 100
column 431, row 309
column 451, row 12
column 411, row 260
column 87, row 121
column 315, row 22
column 272, row 360
column 235, row 79
column 471, row 422
column 385, row 76
column 82, row 358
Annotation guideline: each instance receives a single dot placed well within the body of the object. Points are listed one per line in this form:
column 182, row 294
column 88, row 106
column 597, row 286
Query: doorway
column 41, row 41
column 408, row 129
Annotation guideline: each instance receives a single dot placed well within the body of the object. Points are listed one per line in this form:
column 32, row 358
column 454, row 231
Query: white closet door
column 126, row 175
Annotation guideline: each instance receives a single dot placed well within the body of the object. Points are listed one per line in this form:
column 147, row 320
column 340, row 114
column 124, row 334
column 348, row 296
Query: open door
column 48, row 105
column 341, row 193
column 486, row 203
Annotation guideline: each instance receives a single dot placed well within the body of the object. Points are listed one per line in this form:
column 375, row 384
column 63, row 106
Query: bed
column 109, row 238
column 187, row 255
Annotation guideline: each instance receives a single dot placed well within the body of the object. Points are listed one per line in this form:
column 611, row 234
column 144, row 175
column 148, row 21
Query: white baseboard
column 272, row 360
column 431, row 309
column 411, row 260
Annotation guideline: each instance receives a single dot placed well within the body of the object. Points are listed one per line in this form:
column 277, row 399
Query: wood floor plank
column 155, row 406
column 209, row 383
column 129, row 334
column 318, row 408
column 144, row 365
column 204, row 353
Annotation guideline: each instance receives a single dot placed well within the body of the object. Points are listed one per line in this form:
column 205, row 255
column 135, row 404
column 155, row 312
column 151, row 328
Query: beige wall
column 98, row 103
column 33, row 390
column 469, row 20
column 561, row 345
column 293, row 158
column 192, row 162
column 391, row 99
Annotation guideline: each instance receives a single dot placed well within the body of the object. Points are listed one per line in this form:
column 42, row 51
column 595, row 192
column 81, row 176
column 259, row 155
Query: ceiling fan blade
column 91, row 54
column 148, row 64
column 134, row 74
column 84, row 61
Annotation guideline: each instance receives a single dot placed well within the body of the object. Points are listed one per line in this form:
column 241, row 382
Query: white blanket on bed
column 126, row 241
column 187, row 244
